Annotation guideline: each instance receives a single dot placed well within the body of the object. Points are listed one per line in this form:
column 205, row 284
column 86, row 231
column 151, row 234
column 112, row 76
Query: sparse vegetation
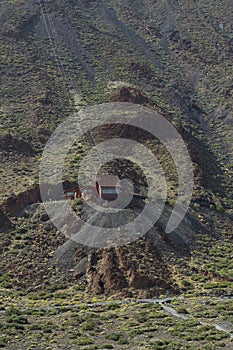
column 174, row 57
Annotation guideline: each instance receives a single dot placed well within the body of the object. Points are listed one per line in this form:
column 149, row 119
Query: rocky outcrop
column 17, row 30
column 143, row 267
column 104, row 274
column 5, row 223
column 15, row 203
column 129, row 94
column 123, row 270
column 8, row 143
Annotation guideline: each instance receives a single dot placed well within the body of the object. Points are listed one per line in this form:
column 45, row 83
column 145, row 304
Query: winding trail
column 219, row 326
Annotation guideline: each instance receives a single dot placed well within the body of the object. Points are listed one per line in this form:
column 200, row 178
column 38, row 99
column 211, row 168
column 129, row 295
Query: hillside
column 56, row 57
column 173, row 57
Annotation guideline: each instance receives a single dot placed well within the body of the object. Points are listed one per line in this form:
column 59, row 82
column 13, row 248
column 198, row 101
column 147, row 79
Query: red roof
column 107, row 180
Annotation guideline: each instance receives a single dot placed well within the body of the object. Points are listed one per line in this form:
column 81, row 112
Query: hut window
column 109, row 191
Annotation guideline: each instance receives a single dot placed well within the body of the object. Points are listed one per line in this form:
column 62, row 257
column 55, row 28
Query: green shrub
column 181, row 310
column 89, row 326
column 19, row 319
column 219, row 207
column 187, row 284
column 115, row 336
column 78, row 202
column 160, row 344
column 84, row 341
column 13, row 310
column 106, row 346
column 6, row 281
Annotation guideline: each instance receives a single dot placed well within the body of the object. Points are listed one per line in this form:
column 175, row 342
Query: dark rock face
column 126, row 94
column 9, row 143
column 5, row 223
column 103, row 272
column 17, row 31
column 15, row 203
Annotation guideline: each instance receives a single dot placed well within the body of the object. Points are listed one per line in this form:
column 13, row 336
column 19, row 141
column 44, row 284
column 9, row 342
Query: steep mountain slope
column 57, row 57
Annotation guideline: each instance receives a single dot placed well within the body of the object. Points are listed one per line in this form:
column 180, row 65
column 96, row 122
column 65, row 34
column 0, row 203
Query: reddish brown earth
column 126, row 268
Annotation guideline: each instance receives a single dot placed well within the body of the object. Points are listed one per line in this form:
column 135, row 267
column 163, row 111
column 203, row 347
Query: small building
column 107, row 186
column 72, row 193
